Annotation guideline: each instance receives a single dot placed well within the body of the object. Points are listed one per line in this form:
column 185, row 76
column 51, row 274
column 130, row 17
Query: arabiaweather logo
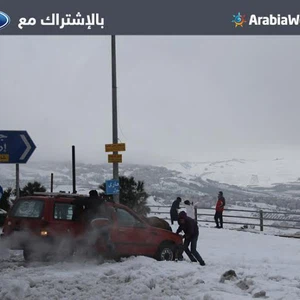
column 4, row 20
column 239, row 20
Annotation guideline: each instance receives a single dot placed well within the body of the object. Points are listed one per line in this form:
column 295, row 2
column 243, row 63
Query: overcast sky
column 180, row 98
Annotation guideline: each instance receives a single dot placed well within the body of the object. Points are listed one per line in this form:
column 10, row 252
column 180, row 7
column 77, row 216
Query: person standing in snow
column 174, row 210
column 190, row 208
column 191, row 232
column 219, row 210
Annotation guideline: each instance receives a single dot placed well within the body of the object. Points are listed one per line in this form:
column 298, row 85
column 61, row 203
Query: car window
column 64, row 211
column 124, row 218
column 28, row 209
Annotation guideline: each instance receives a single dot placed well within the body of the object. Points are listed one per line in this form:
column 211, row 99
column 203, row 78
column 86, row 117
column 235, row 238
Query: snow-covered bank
column 267, row 263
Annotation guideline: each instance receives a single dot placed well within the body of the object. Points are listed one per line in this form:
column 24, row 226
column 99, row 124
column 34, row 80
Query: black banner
column 140, row 17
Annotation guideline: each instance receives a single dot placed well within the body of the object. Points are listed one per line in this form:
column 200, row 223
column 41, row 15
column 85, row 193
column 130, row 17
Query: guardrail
column 264, row 218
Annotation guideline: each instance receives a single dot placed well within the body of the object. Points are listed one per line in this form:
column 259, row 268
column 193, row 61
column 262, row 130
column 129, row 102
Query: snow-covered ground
column 261, row 262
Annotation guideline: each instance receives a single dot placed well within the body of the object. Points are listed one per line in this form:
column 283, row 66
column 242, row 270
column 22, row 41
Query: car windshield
column 30, row 208
column 126, row 219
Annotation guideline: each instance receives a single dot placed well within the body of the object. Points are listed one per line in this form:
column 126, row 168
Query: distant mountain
column 241, row 172
column 243, row 182
column 159, row 181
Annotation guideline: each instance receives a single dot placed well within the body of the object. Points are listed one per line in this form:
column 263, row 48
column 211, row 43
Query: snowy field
column 261, row 262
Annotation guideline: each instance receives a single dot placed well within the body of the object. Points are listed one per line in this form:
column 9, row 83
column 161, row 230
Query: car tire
column 31, row 256
column 166, row 251
column 27, row 254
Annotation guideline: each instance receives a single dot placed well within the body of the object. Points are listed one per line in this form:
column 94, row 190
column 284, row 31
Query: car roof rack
column 69, row 195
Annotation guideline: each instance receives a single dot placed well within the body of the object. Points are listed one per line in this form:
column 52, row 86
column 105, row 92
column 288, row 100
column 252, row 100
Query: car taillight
column 44, row 232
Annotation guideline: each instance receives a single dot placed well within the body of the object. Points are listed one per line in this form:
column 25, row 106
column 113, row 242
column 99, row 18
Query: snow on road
column 265, row 263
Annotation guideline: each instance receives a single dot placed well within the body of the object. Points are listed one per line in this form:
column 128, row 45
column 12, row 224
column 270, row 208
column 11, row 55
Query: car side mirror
column 99, row 222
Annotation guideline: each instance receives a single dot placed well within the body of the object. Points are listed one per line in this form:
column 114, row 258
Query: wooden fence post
column 261, row 218
column 196, row 217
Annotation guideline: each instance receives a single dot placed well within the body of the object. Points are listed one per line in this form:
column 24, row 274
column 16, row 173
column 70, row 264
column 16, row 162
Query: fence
column 252, row 218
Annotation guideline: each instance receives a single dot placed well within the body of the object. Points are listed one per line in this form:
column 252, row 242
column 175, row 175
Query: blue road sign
column 112, row 187
column 1, row 192
column 15, row 147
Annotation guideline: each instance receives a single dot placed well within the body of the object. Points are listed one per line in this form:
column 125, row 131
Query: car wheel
column 166, row 252
column 31, row 256
column 27, row 254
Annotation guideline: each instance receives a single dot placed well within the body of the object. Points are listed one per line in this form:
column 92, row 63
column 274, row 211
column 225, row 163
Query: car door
column 65, row 220
column 130, row 235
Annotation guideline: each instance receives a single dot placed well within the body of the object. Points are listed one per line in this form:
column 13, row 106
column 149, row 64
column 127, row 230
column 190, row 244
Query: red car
column 53, row 225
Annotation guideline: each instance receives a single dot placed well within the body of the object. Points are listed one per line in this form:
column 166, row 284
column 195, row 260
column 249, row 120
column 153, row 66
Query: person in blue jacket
column 191, row 232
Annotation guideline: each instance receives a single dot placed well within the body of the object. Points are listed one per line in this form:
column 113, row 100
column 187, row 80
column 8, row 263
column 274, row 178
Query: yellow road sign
column 114, row 158
column 115, row 147
column 4, row 157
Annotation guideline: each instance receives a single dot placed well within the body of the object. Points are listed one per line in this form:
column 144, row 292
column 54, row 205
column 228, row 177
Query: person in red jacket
column 219, row 210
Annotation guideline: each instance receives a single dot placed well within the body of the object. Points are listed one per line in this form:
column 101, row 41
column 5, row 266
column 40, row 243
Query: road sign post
column 17, row 181
column 114, row 109
column 51, row 183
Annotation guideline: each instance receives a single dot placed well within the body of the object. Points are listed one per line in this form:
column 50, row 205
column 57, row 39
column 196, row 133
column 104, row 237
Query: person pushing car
column 191, row 232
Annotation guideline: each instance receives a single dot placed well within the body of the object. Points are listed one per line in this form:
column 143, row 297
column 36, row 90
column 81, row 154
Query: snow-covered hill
column 273, row 181
column 240, row 172
column 159, row 181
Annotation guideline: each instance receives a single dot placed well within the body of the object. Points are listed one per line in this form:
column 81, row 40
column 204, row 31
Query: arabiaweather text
column 273, row 20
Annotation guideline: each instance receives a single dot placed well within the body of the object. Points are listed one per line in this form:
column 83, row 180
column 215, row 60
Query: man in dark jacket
column 190, row 228
column 219, row 210
column 174, row 210
column 95, row 207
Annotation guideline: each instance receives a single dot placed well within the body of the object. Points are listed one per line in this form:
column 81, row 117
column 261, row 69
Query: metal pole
column 74, row 169
column 51, row 183
column 116, row 197
column 261, row 217
column 17, row 181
